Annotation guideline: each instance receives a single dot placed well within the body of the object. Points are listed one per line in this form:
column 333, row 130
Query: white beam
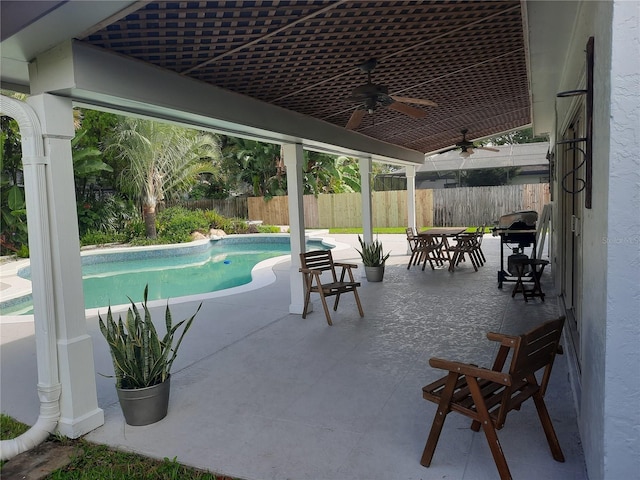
column 100, row 78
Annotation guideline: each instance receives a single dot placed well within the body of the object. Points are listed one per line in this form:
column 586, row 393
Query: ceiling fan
column 466, row 147
column 370, row 96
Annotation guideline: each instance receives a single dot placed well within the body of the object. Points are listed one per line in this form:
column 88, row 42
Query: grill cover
column 522, row 220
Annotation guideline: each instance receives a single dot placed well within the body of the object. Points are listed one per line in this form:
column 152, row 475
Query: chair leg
column 335, row 302
column 307, row 298
column 438, row 420
column 474, row 260
column 326, row 309
column 355, row 294
column 547, row 426
column 489, row 429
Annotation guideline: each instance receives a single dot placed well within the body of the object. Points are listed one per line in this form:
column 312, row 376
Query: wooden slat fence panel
column 274, row 211
column 340, row 210
column 424, row 209
column 311, row 211
column 467, row 206
column 477, row 205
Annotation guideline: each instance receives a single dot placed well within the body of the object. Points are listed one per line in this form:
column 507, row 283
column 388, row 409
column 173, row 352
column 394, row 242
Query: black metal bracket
column 580, row 184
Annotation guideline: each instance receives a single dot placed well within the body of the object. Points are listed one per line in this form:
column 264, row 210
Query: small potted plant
column 373, row 259
column 142, row 361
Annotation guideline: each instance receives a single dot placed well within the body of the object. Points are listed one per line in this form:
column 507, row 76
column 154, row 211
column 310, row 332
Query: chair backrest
column 537, row 349
column 411, row 234
column 480, row 233
column 319, row 260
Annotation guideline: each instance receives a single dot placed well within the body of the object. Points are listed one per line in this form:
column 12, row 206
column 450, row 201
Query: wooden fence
column 484, row 205
column 441, row 207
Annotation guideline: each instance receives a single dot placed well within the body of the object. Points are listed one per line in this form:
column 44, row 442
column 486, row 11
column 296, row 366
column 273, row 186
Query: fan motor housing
column 369, row 90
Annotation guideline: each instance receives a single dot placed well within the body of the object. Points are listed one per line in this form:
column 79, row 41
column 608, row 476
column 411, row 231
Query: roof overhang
column 549, row 27
column 100, row 79
column 517, row 155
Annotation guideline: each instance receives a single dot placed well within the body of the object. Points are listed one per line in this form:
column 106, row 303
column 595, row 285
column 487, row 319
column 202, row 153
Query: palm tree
column 164, row 161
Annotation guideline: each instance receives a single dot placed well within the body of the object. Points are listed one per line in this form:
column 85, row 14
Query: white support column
column 411, row 199
column 79, row 412
column 293, row 161
column 367, row 210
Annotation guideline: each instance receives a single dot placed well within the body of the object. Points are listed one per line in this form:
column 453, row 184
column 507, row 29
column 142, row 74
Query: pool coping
column 261, row 275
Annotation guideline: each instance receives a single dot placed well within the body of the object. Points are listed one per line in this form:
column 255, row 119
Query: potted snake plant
column 142, row 360
column 373, row 259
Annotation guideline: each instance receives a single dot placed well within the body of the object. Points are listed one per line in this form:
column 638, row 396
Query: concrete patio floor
column 258, row 393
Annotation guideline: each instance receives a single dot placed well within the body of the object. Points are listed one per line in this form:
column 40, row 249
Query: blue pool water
column 175, row 272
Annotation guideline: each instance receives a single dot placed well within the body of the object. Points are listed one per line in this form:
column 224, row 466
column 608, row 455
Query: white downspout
column 49, row 388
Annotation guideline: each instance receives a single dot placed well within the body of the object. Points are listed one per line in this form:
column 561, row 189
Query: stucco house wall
column 610, row 240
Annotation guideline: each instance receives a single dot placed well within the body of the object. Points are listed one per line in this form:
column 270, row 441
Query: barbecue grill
column 517, row 231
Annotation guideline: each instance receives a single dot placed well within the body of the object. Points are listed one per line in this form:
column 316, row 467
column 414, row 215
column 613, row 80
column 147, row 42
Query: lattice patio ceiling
column 466, row 56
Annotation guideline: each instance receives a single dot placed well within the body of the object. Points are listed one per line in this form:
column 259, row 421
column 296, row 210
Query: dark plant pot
column 143, row 406
column 374, row 274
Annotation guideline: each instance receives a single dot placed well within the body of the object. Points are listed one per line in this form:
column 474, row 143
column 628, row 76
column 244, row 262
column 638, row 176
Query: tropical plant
column 87, row 165
column 13, row 212
column 372, row 253
column 141, row 358
column 325, row 173
column 165, row 161
column 255, row 164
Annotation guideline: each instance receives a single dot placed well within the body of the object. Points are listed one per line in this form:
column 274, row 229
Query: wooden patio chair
column 471, row 245
column 431, row 251
column 313, row 265
column 488, row 395
column 413, row 240
column 465, row 245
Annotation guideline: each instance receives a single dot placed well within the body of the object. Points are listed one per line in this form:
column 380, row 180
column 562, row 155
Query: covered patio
column 260, row 393
column 283, row 72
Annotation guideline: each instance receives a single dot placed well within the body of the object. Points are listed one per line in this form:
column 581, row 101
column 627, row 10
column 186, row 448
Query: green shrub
column 134, row 229
column 94, row 237
column 108, row 214
column 268, row 229
column 175, row 224
column 23, row 251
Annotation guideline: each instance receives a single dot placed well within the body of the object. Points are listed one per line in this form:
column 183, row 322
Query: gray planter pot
column 374, row 274
column 143, row 406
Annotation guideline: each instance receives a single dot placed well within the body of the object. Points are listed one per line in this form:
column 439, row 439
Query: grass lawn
column 98, row 462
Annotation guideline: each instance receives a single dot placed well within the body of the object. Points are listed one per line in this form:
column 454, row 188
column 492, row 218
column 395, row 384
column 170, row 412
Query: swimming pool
column 171, row 271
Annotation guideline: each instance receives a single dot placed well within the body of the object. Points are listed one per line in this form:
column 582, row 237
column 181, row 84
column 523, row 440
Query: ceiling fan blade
column 355, row 119
column 417, row 101
column 407, row 110
column 488, row 149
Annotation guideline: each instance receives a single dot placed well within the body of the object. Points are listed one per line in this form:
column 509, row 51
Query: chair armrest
column 311, row 271
column 345, row 265
column 471, row 371
column 506, row 340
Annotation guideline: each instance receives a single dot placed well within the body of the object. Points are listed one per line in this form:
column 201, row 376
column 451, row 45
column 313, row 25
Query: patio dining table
column 441, row 235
